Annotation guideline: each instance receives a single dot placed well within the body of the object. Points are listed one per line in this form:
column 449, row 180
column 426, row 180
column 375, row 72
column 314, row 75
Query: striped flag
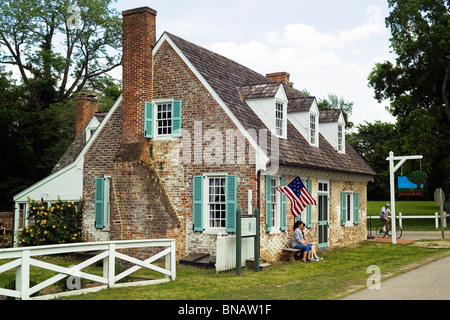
column 299, row 196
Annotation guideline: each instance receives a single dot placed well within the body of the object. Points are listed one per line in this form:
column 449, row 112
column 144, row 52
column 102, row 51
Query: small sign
column 248, row 226
column 439, row 196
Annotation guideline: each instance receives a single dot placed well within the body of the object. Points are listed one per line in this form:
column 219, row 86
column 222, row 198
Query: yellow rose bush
column 51, row 223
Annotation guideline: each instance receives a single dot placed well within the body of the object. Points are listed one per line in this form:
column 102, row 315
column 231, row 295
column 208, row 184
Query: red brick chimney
column 139, row 39
column 86, row 107
column 282, row 77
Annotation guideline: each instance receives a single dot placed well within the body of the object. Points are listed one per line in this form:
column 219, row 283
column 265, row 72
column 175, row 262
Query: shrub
column 51, row 224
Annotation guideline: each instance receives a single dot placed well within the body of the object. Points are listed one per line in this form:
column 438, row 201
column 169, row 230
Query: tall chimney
column 139, row 39
column 86, row 107
column 282, row 77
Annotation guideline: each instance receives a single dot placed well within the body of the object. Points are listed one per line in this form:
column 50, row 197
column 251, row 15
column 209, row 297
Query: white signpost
column 392, row 168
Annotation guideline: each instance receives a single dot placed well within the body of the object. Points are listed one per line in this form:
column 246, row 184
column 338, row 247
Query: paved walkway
column 429, row 282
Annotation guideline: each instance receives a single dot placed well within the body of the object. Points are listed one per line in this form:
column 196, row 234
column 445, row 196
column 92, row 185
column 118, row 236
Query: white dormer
column 269, row 102
column 304, row 115
column 332, row 127
column 91, row 127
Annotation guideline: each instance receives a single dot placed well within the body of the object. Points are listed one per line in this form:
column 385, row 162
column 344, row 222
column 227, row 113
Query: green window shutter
column 356, row 208
column 283, row 215
column 231, row 196
column 268, row 202
column 148, row 120
column 309, row 207
column 176, row 119
column 99, row 202
column 197, row 214
column 343, row 208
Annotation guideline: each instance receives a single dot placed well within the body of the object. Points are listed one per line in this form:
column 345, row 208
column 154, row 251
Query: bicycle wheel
column 379, row 231
column 398, row 232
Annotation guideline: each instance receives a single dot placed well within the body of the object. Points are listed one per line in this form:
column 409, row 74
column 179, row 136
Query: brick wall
column 139, row 38
column 201, row 113
column 86, row 107
column 339, row 236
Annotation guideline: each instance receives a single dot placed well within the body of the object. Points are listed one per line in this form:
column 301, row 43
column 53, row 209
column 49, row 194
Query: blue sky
column 327, row 46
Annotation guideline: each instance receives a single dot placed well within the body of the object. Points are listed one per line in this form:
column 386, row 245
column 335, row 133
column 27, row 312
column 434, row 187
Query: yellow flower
column 65, row 227
column 68, row 205
column 45, row 232
column 73, row 202
column 53, row 226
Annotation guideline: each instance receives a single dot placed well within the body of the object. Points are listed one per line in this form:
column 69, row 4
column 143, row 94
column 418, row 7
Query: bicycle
column 382, row 233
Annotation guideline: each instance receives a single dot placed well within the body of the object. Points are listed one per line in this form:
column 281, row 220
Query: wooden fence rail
column 400, row 217
column 107, row 253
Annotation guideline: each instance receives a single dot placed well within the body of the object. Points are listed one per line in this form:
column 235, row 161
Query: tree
column 417, row 84
column 374, row 141
column 57, row 48
column 334, row 102
column 56, row 52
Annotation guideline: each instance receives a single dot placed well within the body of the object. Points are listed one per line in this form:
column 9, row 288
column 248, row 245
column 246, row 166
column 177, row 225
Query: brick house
column 196, row 135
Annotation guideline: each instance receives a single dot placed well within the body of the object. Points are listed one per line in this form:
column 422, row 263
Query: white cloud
column 322, row 62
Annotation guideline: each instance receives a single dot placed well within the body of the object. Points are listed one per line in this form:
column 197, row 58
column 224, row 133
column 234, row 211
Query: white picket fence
column 400, row 217
column 226, row 252
column 107, row 253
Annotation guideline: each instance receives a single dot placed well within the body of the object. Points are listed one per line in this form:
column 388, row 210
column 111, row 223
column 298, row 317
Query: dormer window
column 91, row 127
column 279, row 118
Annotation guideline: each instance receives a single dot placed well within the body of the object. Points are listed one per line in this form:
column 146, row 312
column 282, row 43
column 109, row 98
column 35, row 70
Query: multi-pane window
column 279, row 118
column 340, row 137
column 273, row 201
column 312, row 127
column 164, row 119
column 217, row 202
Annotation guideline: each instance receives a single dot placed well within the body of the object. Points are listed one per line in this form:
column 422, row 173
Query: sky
column 327, row 46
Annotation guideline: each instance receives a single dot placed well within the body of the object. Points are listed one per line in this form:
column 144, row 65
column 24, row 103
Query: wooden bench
column 290, row 253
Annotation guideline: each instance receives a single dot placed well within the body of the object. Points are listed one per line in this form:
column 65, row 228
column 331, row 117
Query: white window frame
column 323, row 182
column 156, row 135
column 107, row 203
column 313, row 132
column 340, row 138
column 349, row 198
column 275, row 209
column 282, row 119
column 206, row 210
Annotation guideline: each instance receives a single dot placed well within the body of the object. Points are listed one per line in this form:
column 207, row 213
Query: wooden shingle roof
column 227, row 78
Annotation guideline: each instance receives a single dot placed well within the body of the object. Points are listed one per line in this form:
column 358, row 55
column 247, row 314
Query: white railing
column 107, row 253
column 226, row 252
column 400, row 217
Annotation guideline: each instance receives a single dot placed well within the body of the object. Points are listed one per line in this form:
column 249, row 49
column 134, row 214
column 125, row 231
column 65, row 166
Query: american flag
column 299, row 196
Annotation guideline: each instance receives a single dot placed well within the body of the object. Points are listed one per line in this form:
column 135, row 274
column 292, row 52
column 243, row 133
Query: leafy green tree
column 57, row 52
column 417, row 84
column 374, row 141
column 334, row 102
column 421, row 40
column 57, row 47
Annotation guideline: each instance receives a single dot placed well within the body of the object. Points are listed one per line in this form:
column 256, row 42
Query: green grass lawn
column 412, row 208
column 343, row 270
column 340, row 272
